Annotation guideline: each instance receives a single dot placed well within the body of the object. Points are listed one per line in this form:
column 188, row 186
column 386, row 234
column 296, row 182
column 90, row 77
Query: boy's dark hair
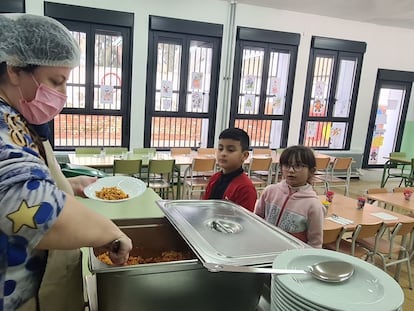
column 298, row 154
column 237, row 134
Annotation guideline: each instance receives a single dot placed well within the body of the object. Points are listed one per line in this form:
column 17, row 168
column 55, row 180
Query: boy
column 231, row 183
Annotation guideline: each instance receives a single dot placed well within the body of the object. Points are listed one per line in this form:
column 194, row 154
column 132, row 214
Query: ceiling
column 394, row 13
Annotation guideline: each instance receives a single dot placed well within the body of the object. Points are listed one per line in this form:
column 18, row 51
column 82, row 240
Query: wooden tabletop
column 394, row 198
column 346, row 207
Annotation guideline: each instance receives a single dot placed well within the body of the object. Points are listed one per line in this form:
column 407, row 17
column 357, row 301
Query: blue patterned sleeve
column 29, row 198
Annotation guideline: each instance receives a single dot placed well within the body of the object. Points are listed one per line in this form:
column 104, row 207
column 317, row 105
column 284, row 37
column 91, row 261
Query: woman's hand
column 119, row 250
column 79, row 183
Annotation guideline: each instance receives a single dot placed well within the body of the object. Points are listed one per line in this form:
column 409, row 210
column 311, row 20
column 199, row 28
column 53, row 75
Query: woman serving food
column 37, row 55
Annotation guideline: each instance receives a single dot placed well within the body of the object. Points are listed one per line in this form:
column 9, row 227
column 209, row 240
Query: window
column 12, row 6
column 97, row 110
column 183, row 65
column 331, row 93
column 264, row 71
column 388, row 115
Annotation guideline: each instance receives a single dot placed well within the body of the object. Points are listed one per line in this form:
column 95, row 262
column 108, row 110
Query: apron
column 62, row 284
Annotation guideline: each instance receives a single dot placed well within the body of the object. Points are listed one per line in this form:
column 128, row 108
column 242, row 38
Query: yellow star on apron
column 24, row 216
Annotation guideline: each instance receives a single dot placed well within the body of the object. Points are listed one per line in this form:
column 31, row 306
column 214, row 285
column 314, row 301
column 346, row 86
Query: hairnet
column 27, row 39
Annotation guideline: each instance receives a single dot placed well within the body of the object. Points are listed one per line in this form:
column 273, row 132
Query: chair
column 362, row 231
column 206, row 151
column 180, row 151
column 127, row 167
column 115, row 150
column 160, row 177
column 87, row 150
column 391, row 251
column 332, row 238
column 392, row 171
column 408, row 178
column 322, row 169
column 264, row 151
column 340, row 166
column 144, row 150
column 260, row 172
column 197, row 175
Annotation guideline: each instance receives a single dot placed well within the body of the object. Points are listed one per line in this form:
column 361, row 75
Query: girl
column 292, row 204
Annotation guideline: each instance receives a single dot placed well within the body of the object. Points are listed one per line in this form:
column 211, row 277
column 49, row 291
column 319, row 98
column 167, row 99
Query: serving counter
column 149, row 285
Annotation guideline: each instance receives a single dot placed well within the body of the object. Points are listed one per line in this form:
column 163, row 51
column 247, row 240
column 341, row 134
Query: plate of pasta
column 115, row 189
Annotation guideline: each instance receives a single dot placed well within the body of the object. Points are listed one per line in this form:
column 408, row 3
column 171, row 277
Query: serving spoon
column 327, row 271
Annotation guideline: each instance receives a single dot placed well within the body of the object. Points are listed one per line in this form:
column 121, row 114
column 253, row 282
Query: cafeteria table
column 395, row 199
column 346, row 208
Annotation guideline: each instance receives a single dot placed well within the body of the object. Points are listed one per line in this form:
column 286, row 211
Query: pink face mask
column 44, row 107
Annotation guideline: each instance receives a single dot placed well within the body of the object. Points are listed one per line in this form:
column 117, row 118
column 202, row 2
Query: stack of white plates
column 370, row 288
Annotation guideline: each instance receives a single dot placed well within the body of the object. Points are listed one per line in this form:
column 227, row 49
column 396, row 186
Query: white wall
column 387, row 48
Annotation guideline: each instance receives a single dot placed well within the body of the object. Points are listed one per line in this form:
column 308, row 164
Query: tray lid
column 223, row 232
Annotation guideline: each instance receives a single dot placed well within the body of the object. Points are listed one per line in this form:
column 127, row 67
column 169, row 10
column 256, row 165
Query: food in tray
column 111, row 193
column 135, row 260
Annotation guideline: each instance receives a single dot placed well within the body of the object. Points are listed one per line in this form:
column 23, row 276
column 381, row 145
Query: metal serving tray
column 225, row 233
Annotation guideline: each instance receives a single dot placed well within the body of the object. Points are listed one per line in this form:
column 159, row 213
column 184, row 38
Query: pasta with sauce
column 111, row 193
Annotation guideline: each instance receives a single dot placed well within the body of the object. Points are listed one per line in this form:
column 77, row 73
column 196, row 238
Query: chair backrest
column 266, row 151
column 115, row 150
column 161, row 166
column 377, row 190
column 203, row 164
column 363, row 231
column 144, row 150
column 332, row 235
column 322, row 164
column 342, row 163
column 260, row 164
column 401, row 189
column 206, row 151
column 180, row 151
column 398, row 154
column 402, row 228
column 87, row 150
column 128, row 167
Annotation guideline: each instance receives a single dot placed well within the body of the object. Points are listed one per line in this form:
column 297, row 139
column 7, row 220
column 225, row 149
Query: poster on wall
column 373, row 156
column 318, row 107
column 319, row 89
column 337, row 135
column 311, row 130
column 381, row 119
column 166, row 89
column 249, row 103
column 277, row 105
column 196, row 100
column 196, row 80
column 166, row 104
column 106, row 94
column 274, row 86
column 249, row 83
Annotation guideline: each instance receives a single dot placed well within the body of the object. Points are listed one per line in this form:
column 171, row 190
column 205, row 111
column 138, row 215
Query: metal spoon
column 327, row 271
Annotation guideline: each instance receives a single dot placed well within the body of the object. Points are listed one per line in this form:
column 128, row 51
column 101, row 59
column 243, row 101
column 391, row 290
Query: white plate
column 370, row 288
column 130, row 185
